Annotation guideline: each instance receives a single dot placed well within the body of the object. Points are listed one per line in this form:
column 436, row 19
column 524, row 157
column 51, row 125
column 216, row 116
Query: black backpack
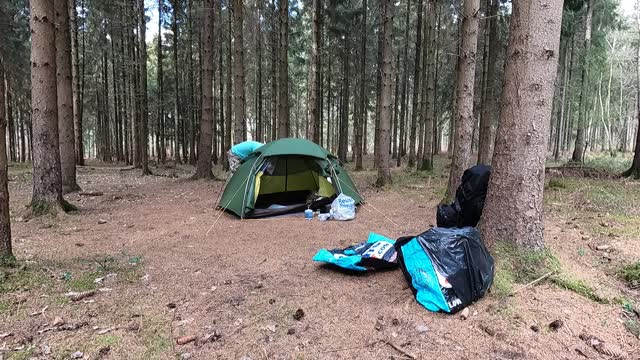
column 466, row 210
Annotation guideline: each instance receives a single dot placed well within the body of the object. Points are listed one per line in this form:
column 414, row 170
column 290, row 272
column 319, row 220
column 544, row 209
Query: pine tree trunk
column 176, row 82
column 203, row 165
column 417, row 75
column 239, row 128
column 10, row 121
column 464, row 118
column 283, row 71
column 47, row 180
column 313, row 105
column 144, row 131
column 405, row 81
column 363, row 116
column 384, row 173
column 189, row 155
column 229, row 111
column 65, row 98
column 6, row 252
column 343, row 130
column 429, row 88
column 579, row 149
column 489, row 103
column 259, row 136
column 513, row 209
column 75, row 74
column 634, row 170
column 162, row 155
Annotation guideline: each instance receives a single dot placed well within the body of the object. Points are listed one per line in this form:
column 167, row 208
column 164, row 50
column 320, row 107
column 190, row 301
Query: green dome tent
column 283, row 176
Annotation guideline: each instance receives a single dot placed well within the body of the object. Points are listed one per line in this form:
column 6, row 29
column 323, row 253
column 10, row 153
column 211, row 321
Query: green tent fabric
column 278, row 177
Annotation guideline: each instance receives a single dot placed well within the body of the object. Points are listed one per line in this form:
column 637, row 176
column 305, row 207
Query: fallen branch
column 530, row 284
column 400, row 350
column 90, row 193
column 77, row 296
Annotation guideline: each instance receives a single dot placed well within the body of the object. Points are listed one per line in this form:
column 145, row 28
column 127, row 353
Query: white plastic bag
column 343, row 208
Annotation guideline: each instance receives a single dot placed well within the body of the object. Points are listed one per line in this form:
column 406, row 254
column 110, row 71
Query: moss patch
column 579, row 287
column 631, row 273
column 515, row 265
column 25, row 278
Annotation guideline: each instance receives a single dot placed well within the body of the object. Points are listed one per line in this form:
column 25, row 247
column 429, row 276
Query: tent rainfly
column 284, row 176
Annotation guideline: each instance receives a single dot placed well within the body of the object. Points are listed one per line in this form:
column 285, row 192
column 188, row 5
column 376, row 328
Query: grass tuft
column 631, row 273
column 515, row 265
column 579, row 287
column 556, row 183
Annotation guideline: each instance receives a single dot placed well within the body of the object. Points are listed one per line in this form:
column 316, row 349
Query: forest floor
column 164, row 267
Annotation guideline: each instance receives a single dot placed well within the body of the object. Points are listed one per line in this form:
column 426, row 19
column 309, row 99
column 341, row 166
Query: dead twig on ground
column 399, row 349
column 530, row 284
column 350, row 348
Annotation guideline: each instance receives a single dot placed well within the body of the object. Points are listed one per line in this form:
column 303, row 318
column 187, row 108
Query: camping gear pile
column 376, row 253
column 447, row 267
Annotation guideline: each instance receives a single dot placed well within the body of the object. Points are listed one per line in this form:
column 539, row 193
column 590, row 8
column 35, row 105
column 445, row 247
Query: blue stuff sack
column 376, row 253
column 447, row 269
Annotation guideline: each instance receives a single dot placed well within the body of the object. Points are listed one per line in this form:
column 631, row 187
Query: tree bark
column 47, row 180
column 489, row 103
column 417, row 75
column 283, row 71
column 384, row 173
column 203, row 165
column 239, row 130
column 144, row 131
column 430, row 89
column 76, row 75
column 162, row 155
column 363, row 113
column 190, row 154
column 634, row 170
column 65, row 98
column 464, row 94
column 405, row 85
column 229, row 112
column 513, row 209
column 313, row 106
column 176, row 82
column 6, row 252
column 579, row 149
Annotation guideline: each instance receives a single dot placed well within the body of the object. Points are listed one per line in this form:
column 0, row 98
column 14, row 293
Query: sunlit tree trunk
column 6, row 252
column 579, row 148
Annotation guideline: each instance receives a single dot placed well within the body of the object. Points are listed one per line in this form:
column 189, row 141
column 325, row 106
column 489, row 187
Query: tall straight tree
column 77, row 89
column 313, row 107
column 162, row 155
column 386, row 105
column 405, row 81
column 47, row 181
column 464, row 96
column 6, row 253
column 513, row 210
column 176, row 83
column 579, row 148
column 283, row 71
column 203, row 165
column 489, row 103
column 65, row 98
column 634, row 170
column 144, row 110
column 239, row 130
column 429, row 87
column 359, row 131
column 417, row 74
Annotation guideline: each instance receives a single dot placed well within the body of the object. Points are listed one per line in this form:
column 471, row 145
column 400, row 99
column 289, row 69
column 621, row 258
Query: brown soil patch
column 181, row 273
